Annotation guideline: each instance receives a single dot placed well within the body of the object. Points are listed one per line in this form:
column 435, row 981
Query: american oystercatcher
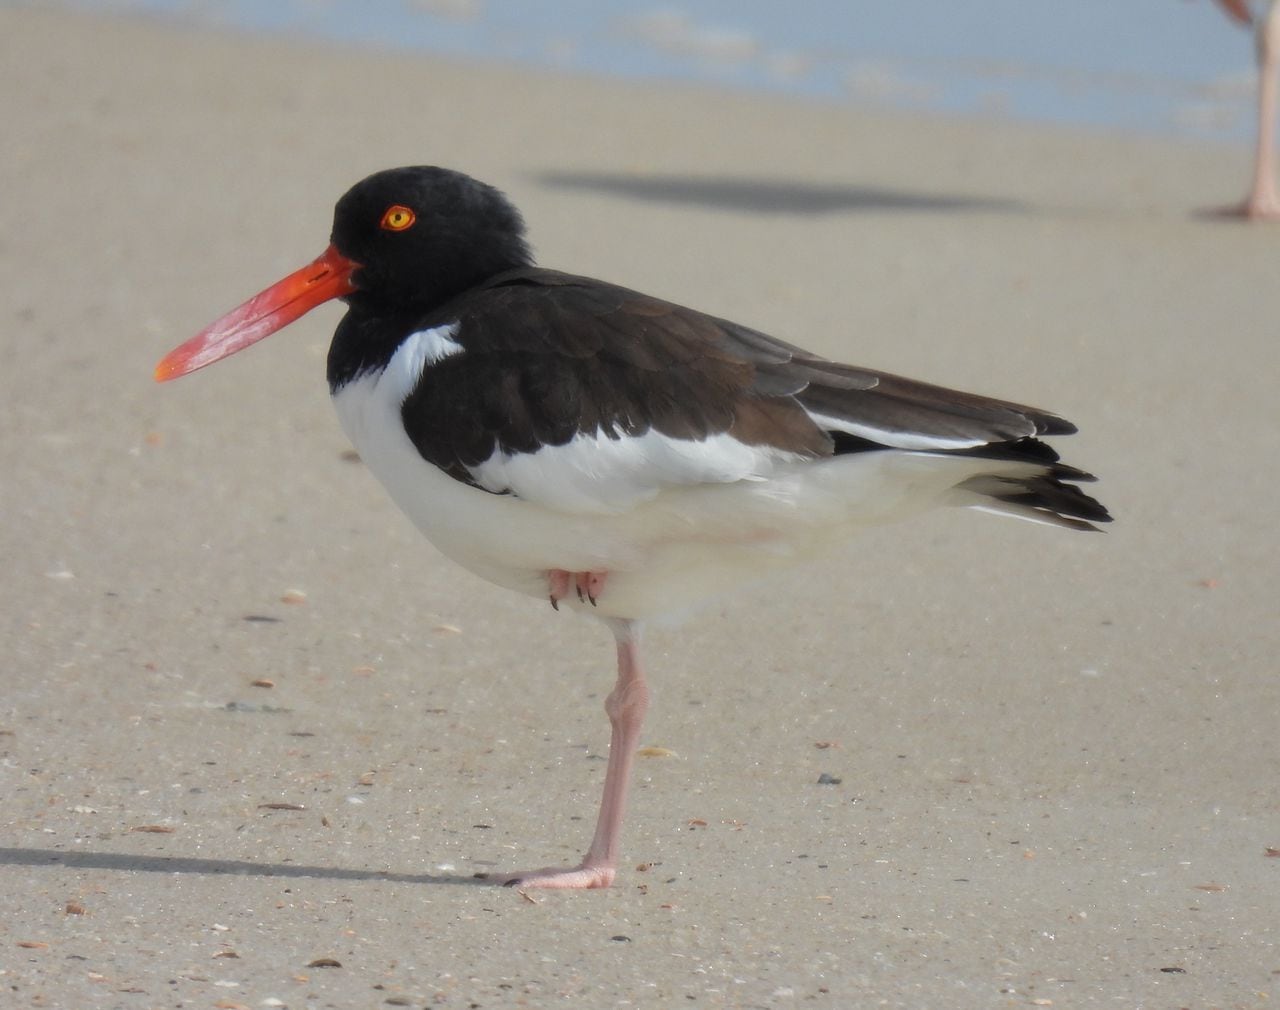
column 610, row 451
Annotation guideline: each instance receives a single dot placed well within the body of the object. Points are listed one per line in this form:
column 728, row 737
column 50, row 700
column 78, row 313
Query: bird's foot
column 588, row 585
column 551, row 877
column 1262, row 209
column 1256, row 208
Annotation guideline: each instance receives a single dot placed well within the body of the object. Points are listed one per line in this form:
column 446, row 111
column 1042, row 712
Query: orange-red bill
column 326, row 277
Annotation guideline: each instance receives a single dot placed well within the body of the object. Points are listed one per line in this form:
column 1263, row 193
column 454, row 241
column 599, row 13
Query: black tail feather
column 1048, row 493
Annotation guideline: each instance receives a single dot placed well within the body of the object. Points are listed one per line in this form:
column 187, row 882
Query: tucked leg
column 557, row 586
column 588, row 585
column 626, row 706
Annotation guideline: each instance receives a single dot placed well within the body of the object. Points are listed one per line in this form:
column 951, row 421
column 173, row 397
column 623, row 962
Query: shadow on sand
column 769, row 196
column 231, row 867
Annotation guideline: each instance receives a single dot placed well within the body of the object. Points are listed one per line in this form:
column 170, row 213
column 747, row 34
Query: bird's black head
column 423, row 234
column 404, row 241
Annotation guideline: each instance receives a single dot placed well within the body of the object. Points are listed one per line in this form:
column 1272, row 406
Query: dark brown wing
column 690, row 374
column 548, row 355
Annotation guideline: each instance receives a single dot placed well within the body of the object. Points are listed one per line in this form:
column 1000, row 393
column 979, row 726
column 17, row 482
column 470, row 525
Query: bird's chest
column 499, row 537
column 368, row 409
column 455, row 516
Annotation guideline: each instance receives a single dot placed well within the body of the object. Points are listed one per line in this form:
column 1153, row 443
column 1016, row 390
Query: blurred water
column 1162, row 66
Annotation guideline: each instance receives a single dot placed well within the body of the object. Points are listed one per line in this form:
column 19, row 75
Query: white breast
column 500, row 537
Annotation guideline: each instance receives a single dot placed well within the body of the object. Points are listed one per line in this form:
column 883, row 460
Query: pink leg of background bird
column 626, row 707
column 1263, row 203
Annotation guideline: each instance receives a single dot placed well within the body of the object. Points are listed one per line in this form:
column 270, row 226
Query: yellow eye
column 397, row 218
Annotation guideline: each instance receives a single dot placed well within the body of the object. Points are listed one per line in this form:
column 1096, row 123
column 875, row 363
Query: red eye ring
column 397, row 218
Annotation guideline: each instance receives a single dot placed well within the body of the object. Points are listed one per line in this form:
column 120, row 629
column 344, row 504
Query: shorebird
column 1263, row 202
column 610, row 451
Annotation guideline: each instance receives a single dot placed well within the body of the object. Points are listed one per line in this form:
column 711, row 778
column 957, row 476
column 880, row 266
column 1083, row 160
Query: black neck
column 366, row 341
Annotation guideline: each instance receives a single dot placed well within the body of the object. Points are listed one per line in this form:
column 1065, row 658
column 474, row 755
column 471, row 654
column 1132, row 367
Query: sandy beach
column 258, row 738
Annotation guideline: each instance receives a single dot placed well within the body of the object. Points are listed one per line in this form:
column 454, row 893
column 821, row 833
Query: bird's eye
column 397, row 218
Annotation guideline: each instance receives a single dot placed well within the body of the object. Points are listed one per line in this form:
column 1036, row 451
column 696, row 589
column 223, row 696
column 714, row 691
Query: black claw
column 512, row 883
column 592, row 599
column 581, row 598
column 555, row 604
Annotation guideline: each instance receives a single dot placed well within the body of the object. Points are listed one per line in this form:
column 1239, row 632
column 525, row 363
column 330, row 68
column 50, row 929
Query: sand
column 1057, row 754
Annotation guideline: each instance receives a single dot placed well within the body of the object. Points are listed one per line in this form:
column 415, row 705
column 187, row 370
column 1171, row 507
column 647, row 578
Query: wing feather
column 588, row 396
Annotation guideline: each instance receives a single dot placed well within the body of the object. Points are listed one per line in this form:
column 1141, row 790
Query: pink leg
column 1263, row 202
column 626, row 706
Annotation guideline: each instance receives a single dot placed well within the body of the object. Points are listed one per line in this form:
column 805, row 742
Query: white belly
column 677, row 549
